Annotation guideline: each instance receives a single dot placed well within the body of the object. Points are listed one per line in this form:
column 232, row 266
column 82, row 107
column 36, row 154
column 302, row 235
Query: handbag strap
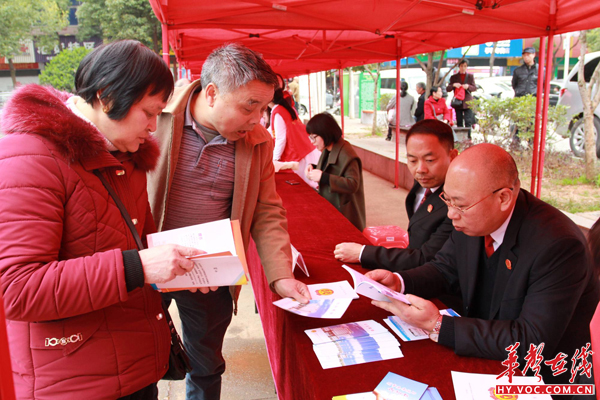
column 122, row 209
column 174, row 336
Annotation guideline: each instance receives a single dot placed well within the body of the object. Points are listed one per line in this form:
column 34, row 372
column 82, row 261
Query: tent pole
column 538, row 109
column 548, row 75
column 165, row 44
column 397, row 163
column 341, row 98
column 309, row 99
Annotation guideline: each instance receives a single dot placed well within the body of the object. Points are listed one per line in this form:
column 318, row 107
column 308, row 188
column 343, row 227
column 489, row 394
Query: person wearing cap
column 525, row 77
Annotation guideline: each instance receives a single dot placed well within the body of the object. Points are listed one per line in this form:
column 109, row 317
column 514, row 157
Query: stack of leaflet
column 353, row 343
column 396, row 387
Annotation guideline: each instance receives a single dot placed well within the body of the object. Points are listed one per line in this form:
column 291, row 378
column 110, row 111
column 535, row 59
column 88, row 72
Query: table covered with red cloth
column 315, row 227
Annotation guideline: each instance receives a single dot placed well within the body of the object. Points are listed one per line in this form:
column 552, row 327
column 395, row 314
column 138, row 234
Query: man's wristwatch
column 435, row 334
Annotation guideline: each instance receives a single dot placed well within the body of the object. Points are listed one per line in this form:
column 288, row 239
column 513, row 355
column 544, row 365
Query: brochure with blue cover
column 395, row 386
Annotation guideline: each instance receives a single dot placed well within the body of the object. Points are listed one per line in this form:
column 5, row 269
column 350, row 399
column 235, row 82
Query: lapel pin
column 508, row 264
column 430, row 208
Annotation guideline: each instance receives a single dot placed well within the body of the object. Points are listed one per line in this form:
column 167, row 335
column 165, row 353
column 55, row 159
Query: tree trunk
column 429, row 72
column 375, row 101
column 13, row 72
column 492, row 56
column 588, row 111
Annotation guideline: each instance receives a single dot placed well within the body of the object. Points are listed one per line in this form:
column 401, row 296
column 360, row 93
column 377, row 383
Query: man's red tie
column 425, row 196
column 489, row 245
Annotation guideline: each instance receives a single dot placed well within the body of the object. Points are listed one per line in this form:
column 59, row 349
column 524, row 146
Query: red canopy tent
column 301, row 36
column 313, row 35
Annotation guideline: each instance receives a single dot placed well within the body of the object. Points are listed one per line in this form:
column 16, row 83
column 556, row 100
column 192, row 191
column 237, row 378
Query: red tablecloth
column 315, row 228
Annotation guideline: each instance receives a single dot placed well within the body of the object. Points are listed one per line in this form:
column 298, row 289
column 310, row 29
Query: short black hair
column 463, row 61
column 326, row 126
column 120, row 74
column 433, row 90
column 433, row 127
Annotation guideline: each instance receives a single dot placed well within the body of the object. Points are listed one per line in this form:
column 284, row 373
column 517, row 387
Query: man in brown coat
column 216, row 163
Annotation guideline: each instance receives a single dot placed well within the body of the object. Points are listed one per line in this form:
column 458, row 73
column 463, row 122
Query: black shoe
column 388, row 138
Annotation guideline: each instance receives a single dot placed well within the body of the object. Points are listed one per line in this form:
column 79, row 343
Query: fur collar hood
column 42, row 111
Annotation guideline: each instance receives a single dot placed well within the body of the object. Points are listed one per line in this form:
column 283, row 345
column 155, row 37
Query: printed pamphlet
column 224, row 263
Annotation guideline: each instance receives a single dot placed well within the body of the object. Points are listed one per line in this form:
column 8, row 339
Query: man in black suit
column 522, row 266
column 429, row 151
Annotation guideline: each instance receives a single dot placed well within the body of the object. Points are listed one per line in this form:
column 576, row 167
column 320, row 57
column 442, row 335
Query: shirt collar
column 498, row 234
column 433, row 189
column 190, row 122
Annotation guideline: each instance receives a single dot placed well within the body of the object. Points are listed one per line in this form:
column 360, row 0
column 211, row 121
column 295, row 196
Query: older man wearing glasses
column 522, row 266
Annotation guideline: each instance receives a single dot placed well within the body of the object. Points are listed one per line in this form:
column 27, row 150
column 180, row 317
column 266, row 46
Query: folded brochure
column 372, row 289
column 224, row 263
column 328, row 300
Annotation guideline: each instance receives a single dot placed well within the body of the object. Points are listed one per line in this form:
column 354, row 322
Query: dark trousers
column 465, row 118
column 150, row 392
column 391, row 130
column 204, row 319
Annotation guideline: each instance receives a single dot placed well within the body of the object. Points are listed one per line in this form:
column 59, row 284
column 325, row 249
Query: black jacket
column 420, row 110
column 545, row 289
column 524, row 80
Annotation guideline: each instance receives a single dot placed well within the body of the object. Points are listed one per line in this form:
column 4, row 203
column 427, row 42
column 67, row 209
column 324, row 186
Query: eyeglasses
column 464, row 210
column 312, row 137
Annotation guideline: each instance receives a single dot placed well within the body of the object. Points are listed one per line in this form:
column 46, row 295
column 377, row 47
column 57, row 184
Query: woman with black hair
column 436, row 108
column 291, row 142
column 84, row 320
column 407, row 106
column 339, row 171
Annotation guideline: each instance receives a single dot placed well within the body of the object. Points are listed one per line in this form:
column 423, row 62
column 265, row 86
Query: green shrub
column 501, row 117
column 60, row 71
column 384, row 100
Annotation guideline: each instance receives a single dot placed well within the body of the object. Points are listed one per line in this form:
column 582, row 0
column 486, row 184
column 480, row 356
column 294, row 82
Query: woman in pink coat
column 83, row 320
column 436, row 108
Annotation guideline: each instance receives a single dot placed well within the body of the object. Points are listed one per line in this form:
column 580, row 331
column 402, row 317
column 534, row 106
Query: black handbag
column 179, row 362
column 456, row 103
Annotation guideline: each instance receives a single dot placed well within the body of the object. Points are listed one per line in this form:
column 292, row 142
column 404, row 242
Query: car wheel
column 577, row 140
column 302, row 110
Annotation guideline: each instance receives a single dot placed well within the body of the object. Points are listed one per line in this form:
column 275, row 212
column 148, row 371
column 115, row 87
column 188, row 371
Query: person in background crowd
column 291, row 141
column 84, row 322
column 294, row 87
column 407, row 104
column 217, row 162
column 524, row 82
column 420, row 110
column 435, row 106
column 522, row 266
column 339, row 171
column 525, row 77
column 463, row 84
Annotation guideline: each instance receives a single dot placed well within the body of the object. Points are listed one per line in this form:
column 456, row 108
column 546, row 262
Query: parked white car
column 570, row 97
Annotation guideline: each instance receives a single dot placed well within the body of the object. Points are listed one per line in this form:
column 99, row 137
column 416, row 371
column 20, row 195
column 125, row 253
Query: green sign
column 366, row 88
